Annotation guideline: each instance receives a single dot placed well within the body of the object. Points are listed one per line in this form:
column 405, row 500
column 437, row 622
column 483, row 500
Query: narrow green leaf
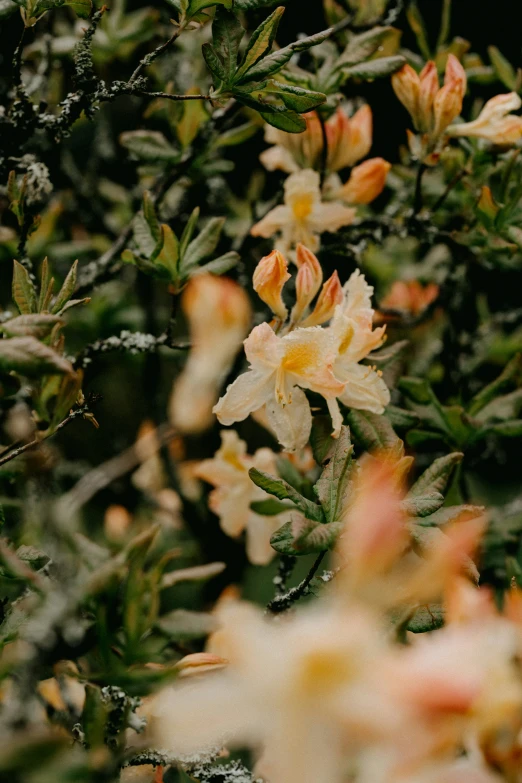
column 45, row 279
column 37, row 325
column 214, row 62
column 418, row 27
column 449, row 515
column 362, row 46
column 375, row 69
column 188, row 232
column 149, row 213
column 203, row 245
column 67, row 289
column 227, row 34
column 283, row 491
column 24, row 293
column 151, row 146
column 422, row 505
column 182, row 625
column 270, row 507
column 169, row 253
column 287, row 121
column 260, row 42
column 505, row 381
column 503, row 68
column 219, row 265
column 296, row 98
column 273, row 63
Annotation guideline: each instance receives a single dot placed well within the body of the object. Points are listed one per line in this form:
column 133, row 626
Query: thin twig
column 417, row 199
column 324, row 151
column 456, row 179
column 149, row 58
column 81, row 411
column 281, row 603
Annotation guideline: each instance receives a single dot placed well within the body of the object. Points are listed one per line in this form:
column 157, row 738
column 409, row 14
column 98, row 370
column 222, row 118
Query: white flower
column 494, row 123
column 280, row 367
column 364, row 389
column 303, row 217
column 234, row 491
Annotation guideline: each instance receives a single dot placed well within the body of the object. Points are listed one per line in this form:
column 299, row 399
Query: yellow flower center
column 347, row 339
column 302, row 206
column 324, row 670
column 298, row 358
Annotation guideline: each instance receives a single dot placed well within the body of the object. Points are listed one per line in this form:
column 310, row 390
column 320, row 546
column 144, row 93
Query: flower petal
column 273, row 221
column 331, row 216
column 248, row 393
column 291, row 422
column 365, row 390
column 258, row 533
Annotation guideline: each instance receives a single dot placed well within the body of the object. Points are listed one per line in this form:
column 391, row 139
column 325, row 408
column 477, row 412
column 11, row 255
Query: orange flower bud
column 349, row 138
column 116, row 523
column 308, row 280
column 429, row 86
column 448, row 101
column 406, row 85
column 366, row 181
column 270, row 275
column 331, row 295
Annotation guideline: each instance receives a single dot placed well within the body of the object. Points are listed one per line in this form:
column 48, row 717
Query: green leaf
column 37, row 325
column 425, row 539
column 195, row 6
column 168, row 256
column 450, row 514
column 422, row 505
column 362, row 46
column 214, row 63
column 24, row 293
column 182, row 625
column 436, row 477
column 503, row 68
column 507, row 406
column 287, row 121
column 375, row 69
column 418, row 27
column 238, row 135
column 27, row 356
column 149, row 213
column 505, row 381
column 203, row 245
column 260, row 42
column 427, row 618
column 277, row 60
column 45, row 281
column 321, row 438
column 270, row 507
column 335, row 481
column 371, row 431
column 227, row 34
column 400, row 418
column 507, row 429
column 150, row 146
column 67, row 289
column 188, row 232
column 220, row 265
column 296, row 98
column 304, row 537
column 284, row 491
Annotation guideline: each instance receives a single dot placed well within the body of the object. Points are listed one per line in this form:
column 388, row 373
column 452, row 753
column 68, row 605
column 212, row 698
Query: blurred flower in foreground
column 410, row 296
column 494, row 123
column 365, row 183
column 431, row 108
column 304, row 216
column 227, row 471
column 218, row 313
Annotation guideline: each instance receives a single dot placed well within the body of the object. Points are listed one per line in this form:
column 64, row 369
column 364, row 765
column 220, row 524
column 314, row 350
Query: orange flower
column 410, row 296
column 431, row 109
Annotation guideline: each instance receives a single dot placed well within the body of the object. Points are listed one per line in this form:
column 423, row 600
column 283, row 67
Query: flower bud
column 331, row 295
column 308, row 280
column 406, row 85
column 429, row 86
column 366, row 181
column 116, row 523
column 270, row 275
column 410, row 296
column 349, row 138
column 494, row 122
column 448, row 101
column 199, row 663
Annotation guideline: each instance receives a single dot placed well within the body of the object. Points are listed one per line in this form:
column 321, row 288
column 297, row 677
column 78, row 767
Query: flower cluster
column 301, row 352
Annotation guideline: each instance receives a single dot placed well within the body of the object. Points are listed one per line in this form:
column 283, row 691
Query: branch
column 126, row 341
column 149, row 58
column 281, row 603
column 81, row 411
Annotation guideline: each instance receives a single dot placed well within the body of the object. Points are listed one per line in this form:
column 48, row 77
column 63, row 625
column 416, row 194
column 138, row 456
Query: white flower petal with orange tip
column 272, row 222
column 494, row 123
column 331, row 216
column 246, row 394
column 278, row 158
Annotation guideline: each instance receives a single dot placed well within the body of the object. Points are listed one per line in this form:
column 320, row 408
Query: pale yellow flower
column 234, row 491
column 494, row 123
column 280, row 368
column 304, row 216
column 218, row 314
